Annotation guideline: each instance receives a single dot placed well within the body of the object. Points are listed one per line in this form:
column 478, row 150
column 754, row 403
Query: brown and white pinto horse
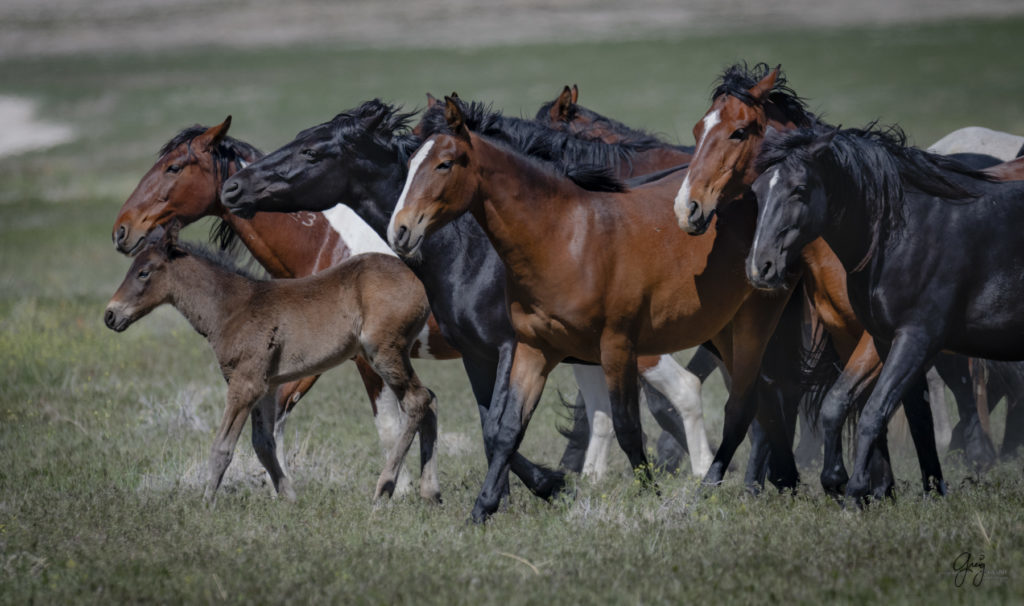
column 184, row 186
column 636, row 287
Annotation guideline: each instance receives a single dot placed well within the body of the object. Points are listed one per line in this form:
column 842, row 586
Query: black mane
column 381, row 122
column 875, row 165
column 589, row 163
column 738, row 79
column 229, row 150
column 631, row 136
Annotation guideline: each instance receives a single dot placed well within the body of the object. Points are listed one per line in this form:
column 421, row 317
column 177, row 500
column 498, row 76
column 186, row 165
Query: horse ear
column 765, row 86
column 431, row 101
column 210, row 139
column 560, row 108
column 770, row 132
column 370, row 123
column 453, row 115
column 822, row 143
column 575, row 94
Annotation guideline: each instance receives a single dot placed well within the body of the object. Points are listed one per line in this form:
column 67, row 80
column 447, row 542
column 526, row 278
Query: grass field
column 104, row 436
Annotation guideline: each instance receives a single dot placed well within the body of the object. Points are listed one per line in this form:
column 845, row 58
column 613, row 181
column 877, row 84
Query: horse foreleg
column 858, row 376
column 940, row 414
column 911, row 352
column 242, row 395
column 682, row 389
column 599, row 409
column 618, row 360
column 742, row 345
column 288, row 395
column 530, row 368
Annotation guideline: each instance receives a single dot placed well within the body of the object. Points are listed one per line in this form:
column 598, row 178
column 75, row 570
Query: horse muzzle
column 406, row 241
column 116, row 319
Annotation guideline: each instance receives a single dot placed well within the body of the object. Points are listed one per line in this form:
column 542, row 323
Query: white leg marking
column 682, row 388
column 599, row 409
column 390, row 422
column 423, row 338
column 414, row 167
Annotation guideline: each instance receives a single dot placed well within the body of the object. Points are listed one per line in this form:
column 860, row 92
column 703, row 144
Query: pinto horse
column 636, row 288
column 183, row 185
column 882, row 206
column 266, row 332
column 745, row 104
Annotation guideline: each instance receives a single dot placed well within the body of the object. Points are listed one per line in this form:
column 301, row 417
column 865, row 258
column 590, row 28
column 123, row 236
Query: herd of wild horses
column 824, row 270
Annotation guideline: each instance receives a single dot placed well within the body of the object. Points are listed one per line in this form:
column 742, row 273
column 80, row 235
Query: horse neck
column 205, row 294
column 848, row 228
column 519, row 206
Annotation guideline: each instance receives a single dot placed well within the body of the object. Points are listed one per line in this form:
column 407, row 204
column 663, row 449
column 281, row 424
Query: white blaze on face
column 354, row 232
column 683, row 197
column 757, row 232
column 414, row 167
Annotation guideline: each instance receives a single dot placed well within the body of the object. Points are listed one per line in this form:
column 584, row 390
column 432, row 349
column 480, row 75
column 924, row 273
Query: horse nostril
column 122, row 233
column 403, row 234
column 694, row 209
column 108, row 319
column 230, row 191
column 766, row 268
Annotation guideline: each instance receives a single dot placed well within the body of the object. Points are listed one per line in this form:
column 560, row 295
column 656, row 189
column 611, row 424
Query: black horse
column 931, row 248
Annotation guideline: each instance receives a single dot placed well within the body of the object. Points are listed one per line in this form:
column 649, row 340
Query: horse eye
column 174, row 168
column 739, row 134
column 446, row 165
column 144, row 274
column 309, row 154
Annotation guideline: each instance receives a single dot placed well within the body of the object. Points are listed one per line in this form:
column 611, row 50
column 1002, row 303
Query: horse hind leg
column 387, row 418
column 264, row 441
column 420, row 405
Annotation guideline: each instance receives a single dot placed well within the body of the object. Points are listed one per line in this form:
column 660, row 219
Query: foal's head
column 145, row 286
column 182, row 185
column 439, row 187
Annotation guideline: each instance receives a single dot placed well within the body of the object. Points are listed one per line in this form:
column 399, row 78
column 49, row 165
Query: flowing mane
column 591, row 163
column 874, row 165
column 224, row 259
column 381, row 122
column 631, row 136
column 738, row 79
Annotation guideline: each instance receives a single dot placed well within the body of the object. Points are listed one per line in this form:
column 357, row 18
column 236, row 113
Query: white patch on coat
column 682, row 388
column 354, row 232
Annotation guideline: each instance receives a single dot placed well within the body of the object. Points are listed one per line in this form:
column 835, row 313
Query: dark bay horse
column 745, row 103
column 637, row 288
column 882, row 207
column 267, row 332
column 183, row 185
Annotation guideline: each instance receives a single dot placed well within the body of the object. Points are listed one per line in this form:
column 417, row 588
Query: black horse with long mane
column 932, row 249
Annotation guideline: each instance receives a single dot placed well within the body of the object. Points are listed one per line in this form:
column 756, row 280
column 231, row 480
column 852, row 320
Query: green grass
column 104, row 436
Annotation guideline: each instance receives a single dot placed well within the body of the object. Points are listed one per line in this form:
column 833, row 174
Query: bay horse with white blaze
column 265, row 333
column 636, row 288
